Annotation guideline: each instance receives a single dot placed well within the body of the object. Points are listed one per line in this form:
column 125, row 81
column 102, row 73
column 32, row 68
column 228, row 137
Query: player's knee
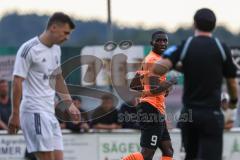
column 168, row 151
column 44, row 155
column 147, row 155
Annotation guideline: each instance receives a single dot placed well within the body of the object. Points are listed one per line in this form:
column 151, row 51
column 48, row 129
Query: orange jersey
column 156, row 100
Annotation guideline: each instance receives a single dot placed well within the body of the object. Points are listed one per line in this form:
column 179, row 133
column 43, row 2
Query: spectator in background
column 83, row 125
column 106, row 115
column 228, row 113
column 127, row 115
column 5, row 104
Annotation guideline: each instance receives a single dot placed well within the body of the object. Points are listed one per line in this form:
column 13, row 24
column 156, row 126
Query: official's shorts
column 153, row 126
column 202, row 132
column 41, row 131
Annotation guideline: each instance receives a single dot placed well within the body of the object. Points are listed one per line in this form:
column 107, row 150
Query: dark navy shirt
column 204, row 68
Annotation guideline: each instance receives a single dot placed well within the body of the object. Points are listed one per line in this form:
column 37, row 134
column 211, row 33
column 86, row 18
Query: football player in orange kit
column 151, row 109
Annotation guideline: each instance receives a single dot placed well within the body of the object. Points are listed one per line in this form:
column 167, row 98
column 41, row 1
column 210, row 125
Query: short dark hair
column 156, row 33
column 205, row 20
column 60, row 17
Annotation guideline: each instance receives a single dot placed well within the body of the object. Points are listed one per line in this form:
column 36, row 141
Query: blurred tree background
column 16, row 29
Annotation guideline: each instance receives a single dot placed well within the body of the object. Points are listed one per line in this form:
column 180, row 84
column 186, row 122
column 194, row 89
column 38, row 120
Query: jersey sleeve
column 149, row 65
column 173, row 53
column 59, row 69
column 59, row 56
column 22, row 62
column 229, row 69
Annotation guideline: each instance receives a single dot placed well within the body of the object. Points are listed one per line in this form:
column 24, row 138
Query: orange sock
column 166, row 158
column 133, row 156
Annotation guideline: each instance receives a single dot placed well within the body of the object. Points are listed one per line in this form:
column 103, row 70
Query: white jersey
column 35, row 62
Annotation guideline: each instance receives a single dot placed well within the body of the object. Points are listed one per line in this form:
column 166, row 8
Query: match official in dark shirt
column 204, row 61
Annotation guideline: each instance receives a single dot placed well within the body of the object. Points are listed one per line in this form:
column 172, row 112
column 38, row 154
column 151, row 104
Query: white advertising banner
column 76, row 147
column 231, row 149
column 115, row 146
column 109, row 146
column 80, row 147
column 12, row 147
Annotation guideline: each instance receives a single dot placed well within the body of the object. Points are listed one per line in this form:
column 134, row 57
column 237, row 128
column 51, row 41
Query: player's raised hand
column 13, row 124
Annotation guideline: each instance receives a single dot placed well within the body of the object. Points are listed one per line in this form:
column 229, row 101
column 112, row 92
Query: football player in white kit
column 33, row 96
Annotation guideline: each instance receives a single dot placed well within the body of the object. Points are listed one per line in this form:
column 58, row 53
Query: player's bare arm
column 162, row 66
column 14, row 122
column 232, row 89
column 63, row 92
column 61, row 88
column 136, row 82
column 157, row 87
column 3, row 125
